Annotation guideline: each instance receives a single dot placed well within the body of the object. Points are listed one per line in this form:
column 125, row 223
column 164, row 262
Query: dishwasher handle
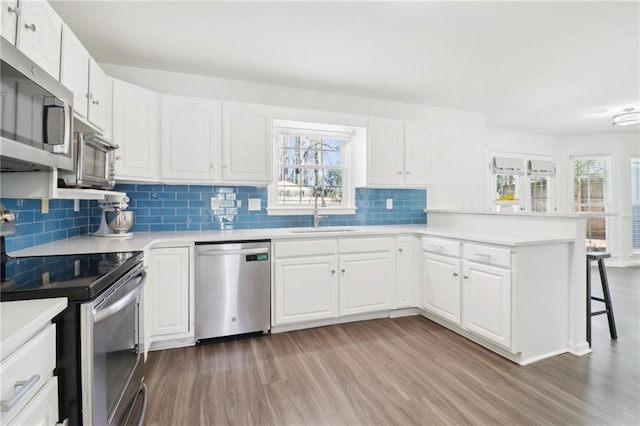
column 218, row 252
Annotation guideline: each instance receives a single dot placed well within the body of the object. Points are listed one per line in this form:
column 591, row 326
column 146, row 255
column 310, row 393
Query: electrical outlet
column 389, row 203
column 215, row 203
column 45, row 206
column 254, row 204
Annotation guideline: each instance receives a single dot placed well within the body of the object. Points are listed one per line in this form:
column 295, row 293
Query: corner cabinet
column 74, row 71
column 136, row 129
column 99, row 98
column 168, row 297
column 190, row 137
column 398, row 154
column 246, row 143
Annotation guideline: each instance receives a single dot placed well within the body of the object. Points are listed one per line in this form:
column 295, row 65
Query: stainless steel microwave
column 36, row 116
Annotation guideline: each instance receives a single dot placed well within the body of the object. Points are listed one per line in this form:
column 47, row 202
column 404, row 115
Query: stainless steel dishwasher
column 232, row 288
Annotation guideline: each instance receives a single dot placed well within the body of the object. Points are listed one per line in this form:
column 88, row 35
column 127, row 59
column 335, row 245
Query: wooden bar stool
column 606, row 299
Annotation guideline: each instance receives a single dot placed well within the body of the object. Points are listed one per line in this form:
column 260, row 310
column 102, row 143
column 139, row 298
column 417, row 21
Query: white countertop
column 22, row 319
column 141, row 241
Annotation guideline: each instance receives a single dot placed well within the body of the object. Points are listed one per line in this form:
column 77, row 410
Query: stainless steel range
column 99, row 363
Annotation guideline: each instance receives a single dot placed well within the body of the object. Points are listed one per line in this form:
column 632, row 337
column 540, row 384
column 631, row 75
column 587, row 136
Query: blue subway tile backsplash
column 160, row 207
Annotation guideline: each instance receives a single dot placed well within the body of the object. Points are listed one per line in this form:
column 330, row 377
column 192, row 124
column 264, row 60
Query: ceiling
column 539, row 67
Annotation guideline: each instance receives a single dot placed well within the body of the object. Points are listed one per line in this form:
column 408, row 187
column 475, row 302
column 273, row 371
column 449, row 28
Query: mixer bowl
column 119, row 220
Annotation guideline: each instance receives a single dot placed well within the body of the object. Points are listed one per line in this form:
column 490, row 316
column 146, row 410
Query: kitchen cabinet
column 486, row 301
column 74, row 71
column 398, row 154
column 441, row 278
column 406, row 279
column 9, row 20
column 190, row 139
column 136, row 129
column 246, row 143
column 99, row 98
column 168, row 295
column 29, row 357
column 320, row 279
column 38, row 34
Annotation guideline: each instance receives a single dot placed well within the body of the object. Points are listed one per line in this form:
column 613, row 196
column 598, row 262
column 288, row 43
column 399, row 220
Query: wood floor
column 400, row 371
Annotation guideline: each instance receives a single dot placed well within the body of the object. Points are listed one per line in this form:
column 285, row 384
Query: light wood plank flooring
column 400, row 371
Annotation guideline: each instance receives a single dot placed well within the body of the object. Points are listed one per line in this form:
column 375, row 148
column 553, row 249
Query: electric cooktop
column 78, row 276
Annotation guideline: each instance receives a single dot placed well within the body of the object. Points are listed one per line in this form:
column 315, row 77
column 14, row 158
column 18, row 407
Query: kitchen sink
column 316, row 230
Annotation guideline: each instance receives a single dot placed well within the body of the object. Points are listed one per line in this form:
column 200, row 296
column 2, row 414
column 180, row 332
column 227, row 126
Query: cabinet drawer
column 487, row 254
column 42, row 409
column 363, row 245
column 441, row 246
column 33, row 363
column 283, row 249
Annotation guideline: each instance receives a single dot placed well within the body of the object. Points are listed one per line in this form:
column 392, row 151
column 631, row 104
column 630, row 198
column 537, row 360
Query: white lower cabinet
column 306, row 289
column 168, row 295
column 406, row 276
column 321, row 279
column 42, row 410
column 486, row 302
column 441, row 286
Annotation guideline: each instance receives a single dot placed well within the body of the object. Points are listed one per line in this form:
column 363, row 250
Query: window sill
column 298, row 211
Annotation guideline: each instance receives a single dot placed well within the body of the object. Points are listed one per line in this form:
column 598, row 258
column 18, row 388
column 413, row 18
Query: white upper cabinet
column 100, row 98
column 74, row 71
column 136, row 129
column 385, row 152
column 398, row 154
column 246, row 143
column 190, row 138
column 9, row 20
column 39, row 34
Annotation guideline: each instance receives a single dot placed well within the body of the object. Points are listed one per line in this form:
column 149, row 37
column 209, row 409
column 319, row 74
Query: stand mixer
column 116, row 220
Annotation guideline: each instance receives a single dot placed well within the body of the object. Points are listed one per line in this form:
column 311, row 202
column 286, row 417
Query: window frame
column 635, row 251
column 274, row 207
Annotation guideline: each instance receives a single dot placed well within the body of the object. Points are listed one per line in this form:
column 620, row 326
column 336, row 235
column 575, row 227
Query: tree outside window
column 591, row 196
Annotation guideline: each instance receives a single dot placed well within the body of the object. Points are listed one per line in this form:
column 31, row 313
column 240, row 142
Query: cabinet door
column 136, row 130
column 306, row 289
column 441, row 286
column 367, row 282
column 246, row 143
column 417, row 155
column 385, row 152
column 190, row 136
column 74, row 71
column 486, row 302
column 168, row 292
column 100, row 93
column 406, row 276
column 9, row 20
column 39, row 34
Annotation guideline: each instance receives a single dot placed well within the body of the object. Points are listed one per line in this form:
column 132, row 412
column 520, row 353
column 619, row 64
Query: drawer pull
column 455, row 274
column 486, row 256
column 24, row 388
column 437, row 248
column 65, row 422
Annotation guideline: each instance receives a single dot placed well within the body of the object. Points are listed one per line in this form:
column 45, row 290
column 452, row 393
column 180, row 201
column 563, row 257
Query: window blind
column 541, row 168
column 635, row 204
column 507, row 166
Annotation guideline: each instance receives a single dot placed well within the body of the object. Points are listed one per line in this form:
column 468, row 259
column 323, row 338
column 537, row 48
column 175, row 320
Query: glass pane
column 506, row 187
column 596, row 233
column 539, row 193
column 635, row 205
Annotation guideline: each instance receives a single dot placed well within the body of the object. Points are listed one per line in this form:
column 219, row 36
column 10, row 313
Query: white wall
column 458, row 136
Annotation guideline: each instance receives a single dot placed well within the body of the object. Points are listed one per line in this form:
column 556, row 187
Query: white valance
column 541, row 168
column 507, row 166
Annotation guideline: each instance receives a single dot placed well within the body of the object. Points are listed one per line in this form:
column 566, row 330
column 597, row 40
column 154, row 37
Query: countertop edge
column 24, row 318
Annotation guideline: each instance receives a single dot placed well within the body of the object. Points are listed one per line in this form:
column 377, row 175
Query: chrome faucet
column 318, row 217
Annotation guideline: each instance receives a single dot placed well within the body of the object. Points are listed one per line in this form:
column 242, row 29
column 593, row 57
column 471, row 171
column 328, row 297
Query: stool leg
column 589, row 302
column 607, row 299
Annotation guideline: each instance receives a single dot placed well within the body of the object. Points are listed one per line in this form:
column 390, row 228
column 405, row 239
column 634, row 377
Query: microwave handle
column 68, row 123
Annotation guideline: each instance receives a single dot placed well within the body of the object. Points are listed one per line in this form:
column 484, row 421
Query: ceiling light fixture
column 627, row 118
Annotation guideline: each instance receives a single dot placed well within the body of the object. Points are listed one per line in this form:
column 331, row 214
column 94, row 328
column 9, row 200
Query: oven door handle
column 104, row 313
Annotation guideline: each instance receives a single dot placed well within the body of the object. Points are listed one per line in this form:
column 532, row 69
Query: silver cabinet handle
column 96, row 102
column 487, row 256
column 211, row 166
column 400, row 250
column 343, row 271
column 408, row 173
column 15, row 10
column 31, row 27
column 24, row 388
column 466, row 277
column 333, row 272
column 400, row 172
column 65, row 422
column 455, row 274
column 119, row 157
column 437, row 248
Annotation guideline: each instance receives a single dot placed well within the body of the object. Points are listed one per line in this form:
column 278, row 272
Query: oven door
column 111, row 363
